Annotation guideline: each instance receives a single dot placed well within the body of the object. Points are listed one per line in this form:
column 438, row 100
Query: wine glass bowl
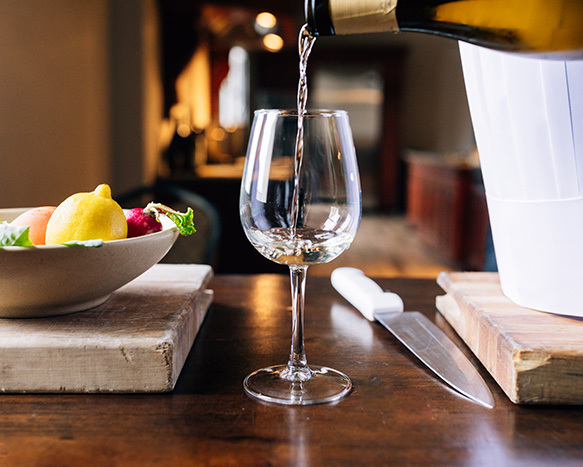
column 300, row 205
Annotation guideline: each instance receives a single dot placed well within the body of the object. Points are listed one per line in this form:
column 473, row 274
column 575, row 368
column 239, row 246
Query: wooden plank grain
column 536, row 357
column 135, row 342
column 399, row 413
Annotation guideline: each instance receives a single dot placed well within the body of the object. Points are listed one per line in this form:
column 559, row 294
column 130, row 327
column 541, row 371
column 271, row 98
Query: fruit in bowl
column 77, row 273
column 87, row 216
column 36, row 219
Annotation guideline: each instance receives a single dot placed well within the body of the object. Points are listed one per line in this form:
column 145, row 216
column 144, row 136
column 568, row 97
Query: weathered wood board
column 137, row 341
column 536, row 357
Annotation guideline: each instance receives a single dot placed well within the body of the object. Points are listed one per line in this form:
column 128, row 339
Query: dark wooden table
column 397, row 414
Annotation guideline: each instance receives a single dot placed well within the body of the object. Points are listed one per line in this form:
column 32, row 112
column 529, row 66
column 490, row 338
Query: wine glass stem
column 297, row 365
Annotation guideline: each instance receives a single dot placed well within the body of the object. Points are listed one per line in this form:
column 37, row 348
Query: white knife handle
column 363, row 293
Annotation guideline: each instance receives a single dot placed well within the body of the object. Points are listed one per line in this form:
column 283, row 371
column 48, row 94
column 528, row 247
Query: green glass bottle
column 552, row 28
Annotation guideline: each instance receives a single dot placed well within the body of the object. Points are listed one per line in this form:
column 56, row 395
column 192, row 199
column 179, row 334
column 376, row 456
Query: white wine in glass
column 300, row 207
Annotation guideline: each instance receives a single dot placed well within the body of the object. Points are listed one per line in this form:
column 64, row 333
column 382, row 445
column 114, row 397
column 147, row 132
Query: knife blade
column 415, row 331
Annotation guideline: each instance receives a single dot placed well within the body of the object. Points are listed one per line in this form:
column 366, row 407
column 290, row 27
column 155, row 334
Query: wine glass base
column 325, row 385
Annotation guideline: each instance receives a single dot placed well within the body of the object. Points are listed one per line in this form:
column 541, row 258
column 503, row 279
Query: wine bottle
column 552, row 28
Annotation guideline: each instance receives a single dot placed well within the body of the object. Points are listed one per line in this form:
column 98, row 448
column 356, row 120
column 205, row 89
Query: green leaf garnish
column 14, row 235
column 85, row 243
column 183, row 220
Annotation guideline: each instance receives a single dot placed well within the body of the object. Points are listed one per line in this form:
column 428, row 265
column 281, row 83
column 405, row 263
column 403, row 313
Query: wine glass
column 299, row 221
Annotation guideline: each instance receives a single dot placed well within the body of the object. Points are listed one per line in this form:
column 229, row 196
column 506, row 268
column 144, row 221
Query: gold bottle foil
column 363, row 16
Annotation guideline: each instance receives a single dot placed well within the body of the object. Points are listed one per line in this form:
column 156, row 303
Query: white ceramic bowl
column 56, row 279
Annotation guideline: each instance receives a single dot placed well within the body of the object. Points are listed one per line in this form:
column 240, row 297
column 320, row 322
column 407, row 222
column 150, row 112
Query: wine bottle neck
column 318, row 18
column 363, row 16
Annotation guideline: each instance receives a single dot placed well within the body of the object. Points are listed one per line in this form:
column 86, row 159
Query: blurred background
column 140, row 92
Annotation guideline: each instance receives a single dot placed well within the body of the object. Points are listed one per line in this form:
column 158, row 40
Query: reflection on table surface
column 397, row 414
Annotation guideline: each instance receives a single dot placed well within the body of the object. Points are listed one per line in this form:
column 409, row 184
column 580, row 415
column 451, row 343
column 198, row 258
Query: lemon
column 87, row 216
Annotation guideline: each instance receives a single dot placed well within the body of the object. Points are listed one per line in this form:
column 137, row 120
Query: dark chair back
column 199, row 248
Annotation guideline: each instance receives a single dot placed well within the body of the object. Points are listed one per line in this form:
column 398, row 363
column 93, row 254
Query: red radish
column 145, row 221
column 142, row 222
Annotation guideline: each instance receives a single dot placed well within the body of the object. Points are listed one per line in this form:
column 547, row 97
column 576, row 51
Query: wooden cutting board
column 536, row 357
column 137, row 341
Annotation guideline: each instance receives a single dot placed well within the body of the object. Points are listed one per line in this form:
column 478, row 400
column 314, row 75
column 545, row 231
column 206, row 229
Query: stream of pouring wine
column 305, row 43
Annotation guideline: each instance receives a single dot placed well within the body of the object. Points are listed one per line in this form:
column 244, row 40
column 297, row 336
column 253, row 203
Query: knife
column 423, row 338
